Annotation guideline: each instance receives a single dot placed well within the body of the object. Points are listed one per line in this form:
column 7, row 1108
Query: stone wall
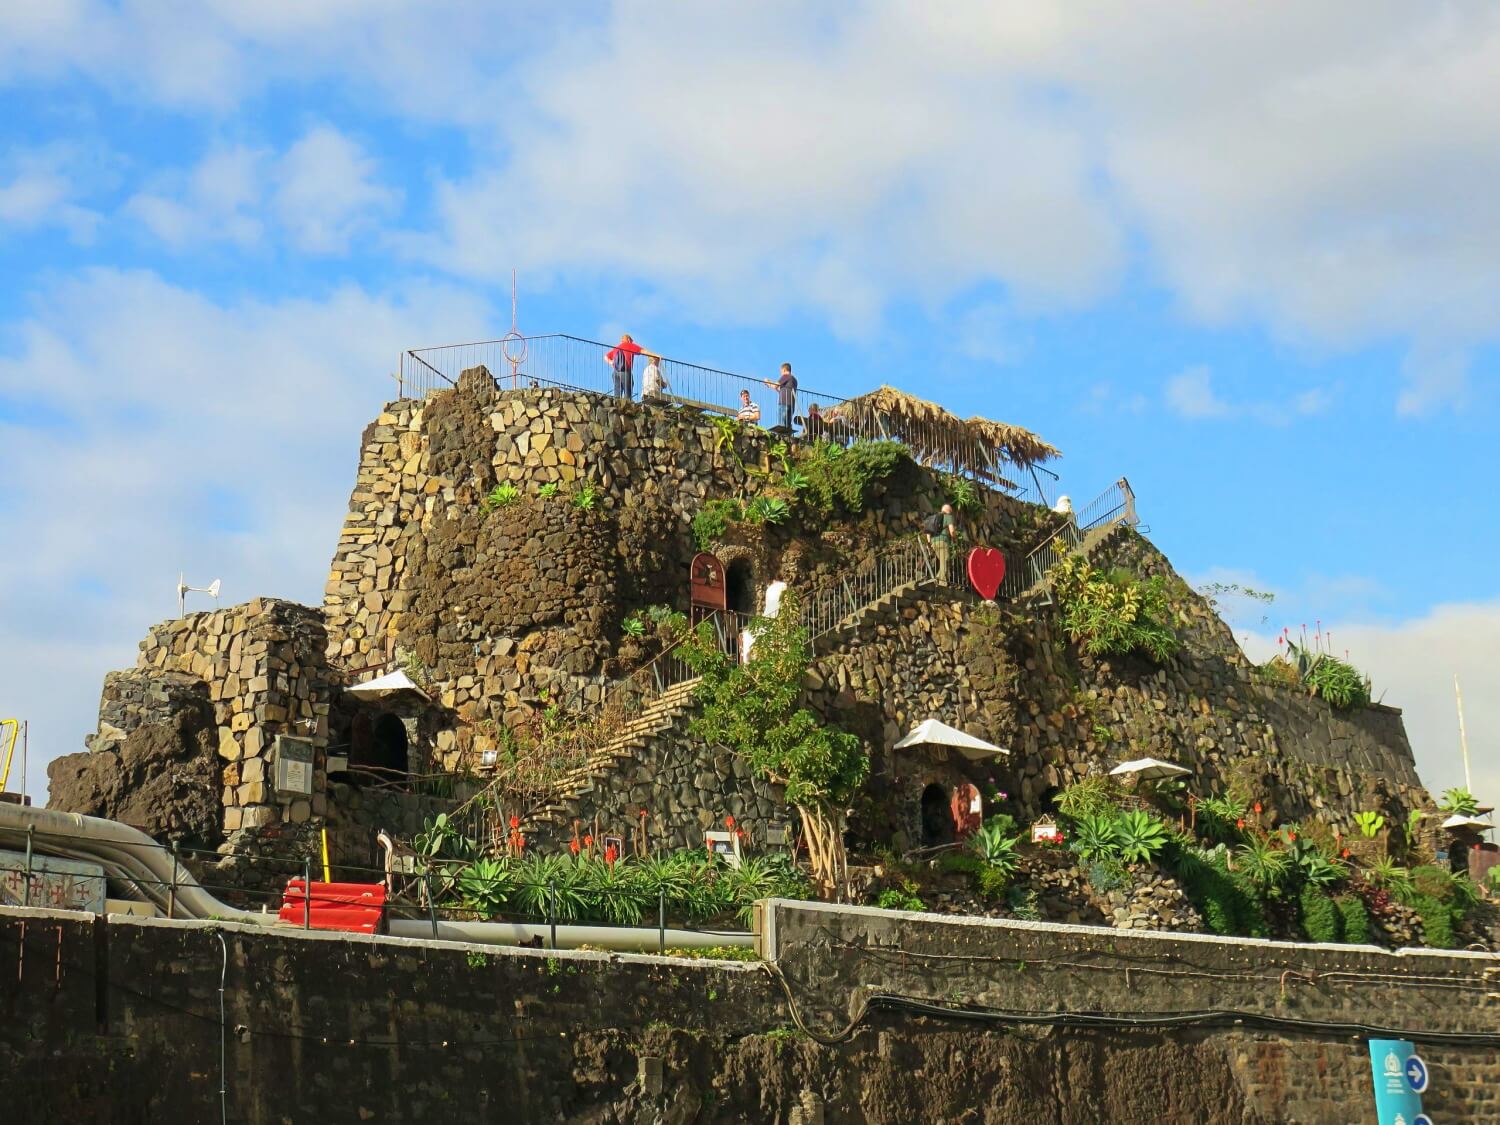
column 1012, row 677
column 507, row 611
column 119, row 1021
column 834, row 957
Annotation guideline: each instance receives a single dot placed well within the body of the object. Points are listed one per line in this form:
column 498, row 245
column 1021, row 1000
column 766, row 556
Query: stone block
column 229, row 745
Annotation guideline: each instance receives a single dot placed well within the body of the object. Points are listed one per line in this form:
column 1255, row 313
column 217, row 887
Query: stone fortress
column 460, row 639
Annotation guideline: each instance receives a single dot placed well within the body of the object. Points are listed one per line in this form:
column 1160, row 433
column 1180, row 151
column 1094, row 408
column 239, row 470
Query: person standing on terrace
column 653, row 382
column 786, row 397
column 621, row 358
column 749, row 411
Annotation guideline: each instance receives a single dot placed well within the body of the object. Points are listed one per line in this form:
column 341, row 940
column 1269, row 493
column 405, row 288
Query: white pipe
column 130, row 856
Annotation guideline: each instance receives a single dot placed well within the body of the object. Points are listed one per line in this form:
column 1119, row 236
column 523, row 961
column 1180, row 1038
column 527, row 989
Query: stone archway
column 937, row 815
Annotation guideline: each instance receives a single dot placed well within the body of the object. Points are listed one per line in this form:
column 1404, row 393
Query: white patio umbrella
column 931, row 732
column 391, row 683
column 1149, row 769
column 1458, row 821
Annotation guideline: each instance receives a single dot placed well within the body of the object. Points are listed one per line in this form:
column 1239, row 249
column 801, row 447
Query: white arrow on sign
column 1416, row 1074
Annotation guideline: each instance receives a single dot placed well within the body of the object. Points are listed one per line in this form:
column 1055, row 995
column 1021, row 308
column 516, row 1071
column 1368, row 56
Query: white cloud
column 219, row 200
column 1190, row 394
column 42, row 190
column 1412, row 664
column 322, row 192
column 326, row 191
column 217, row 439
column 1317, row 169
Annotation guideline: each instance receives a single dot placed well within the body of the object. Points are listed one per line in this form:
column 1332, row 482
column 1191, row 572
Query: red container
column 353, row 907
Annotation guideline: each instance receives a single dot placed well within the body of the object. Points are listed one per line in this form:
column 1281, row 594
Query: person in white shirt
column 653, row 382
column 748, row 411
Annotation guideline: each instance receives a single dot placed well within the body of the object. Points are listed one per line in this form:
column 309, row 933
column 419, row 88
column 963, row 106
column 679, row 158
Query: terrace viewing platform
column 994, row 453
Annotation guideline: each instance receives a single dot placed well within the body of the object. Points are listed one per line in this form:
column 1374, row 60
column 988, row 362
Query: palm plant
column 1263, row 864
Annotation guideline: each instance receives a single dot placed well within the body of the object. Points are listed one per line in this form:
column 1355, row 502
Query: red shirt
column 629, row 349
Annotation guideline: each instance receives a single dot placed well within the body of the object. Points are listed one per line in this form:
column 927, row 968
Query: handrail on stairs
column 1111, row 508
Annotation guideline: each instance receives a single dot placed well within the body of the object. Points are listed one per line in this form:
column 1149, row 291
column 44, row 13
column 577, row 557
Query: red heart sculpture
column 986, row 571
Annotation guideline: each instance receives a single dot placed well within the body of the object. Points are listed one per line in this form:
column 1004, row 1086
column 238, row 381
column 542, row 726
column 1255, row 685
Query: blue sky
column 1249, row 260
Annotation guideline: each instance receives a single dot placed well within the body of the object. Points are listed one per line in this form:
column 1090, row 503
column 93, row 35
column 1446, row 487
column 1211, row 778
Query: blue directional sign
column 1400, row 1077
column 1416, row 1074
column 1421, row 1119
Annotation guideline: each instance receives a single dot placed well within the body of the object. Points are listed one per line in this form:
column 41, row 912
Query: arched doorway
column 937, row 816
column 739, row 582
column 388, row 744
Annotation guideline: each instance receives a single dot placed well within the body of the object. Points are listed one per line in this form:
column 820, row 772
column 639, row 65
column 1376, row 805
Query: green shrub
column 502, row 495
column 1339, row 683
column 1092, row 796
column 838, row 477
column 962, row 493
column 992, row 881
column 1355, row 918
column 1228, row 906
column 960, row 863
column 548, row 490
column 1437, row 921
column 1264, row 865
column 1142, row 836
column 1107, row 875
column 1023, row 903
column 1319, row 917
column 1111, row 613
column 713, row 520
column 586, row 498
column 903, row 897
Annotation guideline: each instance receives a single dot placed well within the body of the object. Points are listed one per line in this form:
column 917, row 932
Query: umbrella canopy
column 390, row 684
column 1467, row 822
column 931, row 732
column 1149, row 769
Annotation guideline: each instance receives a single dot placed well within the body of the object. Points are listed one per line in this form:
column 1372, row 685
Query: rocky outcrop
column 152, row 764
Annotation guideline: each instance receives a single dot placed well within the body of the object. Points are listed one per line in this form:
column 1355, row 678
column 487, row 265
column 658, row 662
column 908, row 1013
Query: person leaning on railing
column 748, row 412
column 621, row 359
column 786, row 397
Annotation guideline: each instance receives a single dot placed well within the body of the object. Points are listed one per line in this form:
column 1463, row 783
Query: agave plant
column 1097, row 835
column 485, row 886
column 1458, row 802
column 997, row 849
column 1142, row 836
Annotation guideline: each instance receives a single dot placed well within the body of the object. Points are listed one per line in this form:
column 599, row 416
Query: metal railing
column 900, row 564
column 1114, row 506
column 573, row 363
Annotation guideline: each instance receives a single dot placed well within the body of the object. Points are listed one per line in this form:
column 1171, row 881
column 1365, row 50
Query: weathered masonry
column 119, row 1020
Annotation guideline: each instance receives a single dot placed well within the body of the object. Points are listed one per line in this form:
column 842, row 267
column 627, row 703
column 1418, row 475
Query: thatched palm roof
column 1019, row 446
column 940, row 438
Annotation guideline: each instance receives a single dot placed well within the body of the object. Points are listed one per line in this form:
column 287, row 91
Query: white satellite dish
column 183, row 589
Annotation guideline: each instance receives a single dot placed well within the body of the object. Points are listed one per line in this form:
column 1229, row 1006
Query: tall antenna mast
column 1463, row 739
column 513, row 344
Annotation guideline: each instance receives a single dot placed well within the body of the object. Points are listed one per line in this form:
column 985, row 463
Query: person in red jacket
column 621, row 358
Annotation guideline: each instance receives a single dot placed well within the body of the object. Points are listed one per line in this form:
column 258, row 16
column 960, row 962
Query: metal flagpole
column 1463, row 739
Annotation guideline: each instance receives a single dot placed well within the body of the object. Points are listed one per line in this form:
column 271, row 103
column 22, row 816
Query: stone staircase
column 663, row 713
column 843, row 631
